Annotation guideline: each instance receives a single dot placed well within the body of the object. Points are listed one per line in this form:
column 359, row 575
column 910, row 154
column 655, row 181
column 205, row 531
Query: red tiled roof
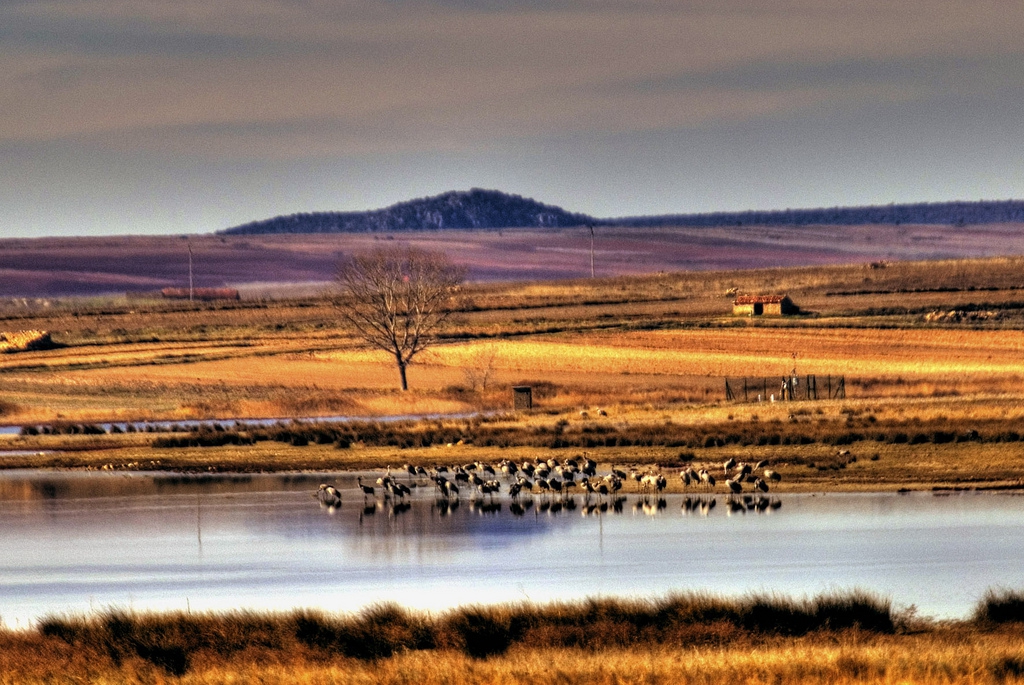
column 762, row 299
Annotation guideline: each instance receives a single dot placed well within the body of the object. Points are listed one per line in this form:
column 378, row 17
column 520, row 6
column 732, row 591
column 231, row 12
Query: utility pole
column 591, row 227
column 191, row 283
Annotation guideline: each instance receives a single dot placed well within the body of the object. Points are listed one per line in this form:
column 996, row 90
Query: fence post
column 790, row 389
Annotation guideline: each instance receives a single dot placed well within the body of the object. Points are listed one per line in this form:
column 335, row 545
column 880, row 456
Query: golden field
column 649, row 351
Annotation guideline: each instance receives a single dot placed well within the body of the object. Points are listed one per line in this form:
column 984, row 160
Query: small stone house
column 763, row 305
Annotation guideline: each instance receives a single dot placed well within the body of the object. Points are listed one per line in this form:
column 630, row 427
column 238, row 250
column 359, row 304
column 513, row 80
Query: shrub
column 1000, row 606
column 480, row 631
column 203, row 438
column 178, row 643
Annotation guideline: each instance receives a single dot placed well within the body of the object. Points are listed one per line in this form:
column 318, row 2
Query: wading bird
column 328, row 495
column 367, row 490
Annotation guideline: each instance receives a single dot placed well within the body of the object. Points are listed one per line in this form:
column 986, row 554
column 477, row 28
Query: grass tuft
column 1000, row 606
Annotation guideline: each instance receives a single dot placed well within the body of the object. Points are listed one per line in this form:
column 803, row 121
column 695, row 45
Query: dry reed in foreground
column 838, row 639
column 839, row 661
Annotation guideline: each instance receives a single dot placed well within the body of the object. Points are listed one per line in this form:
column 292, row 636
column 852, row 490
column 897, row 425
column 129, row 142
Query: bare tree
column 397, row 298
column 480, row 367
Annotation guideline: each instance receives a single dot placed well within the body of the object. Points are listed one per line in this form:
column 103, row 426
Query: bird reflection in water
column 520, row 507
column 698, row 505
column 399, row 508
column 616, row 506
column 649, row 505
column 484, row 507
column 760, row 505
column 392, row 509
column 445, row 506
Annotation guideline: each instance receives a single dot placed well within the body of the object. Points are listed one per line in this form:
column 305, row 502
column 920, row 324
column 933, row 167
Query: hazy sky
column 121, row 116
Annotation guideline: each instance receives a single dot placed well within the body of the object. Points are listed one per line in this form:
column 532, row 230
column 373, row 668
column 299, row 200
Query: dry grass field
column 981, row 660
column 651, row 352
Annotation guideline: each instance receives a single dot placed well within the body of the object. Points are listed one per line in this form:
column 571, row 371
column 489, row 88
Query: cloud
column 935, row 72
column 283, row 81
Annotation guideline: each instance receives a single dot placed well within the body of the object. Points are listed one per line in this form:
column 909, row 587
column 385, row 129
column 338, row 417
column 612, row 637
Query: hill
column 475, row 208
column 479, row 208
column 922, row 213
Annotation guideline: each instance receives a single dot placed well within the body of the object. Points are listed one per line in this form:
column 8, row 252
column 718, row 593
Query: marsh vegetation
column 841, row 638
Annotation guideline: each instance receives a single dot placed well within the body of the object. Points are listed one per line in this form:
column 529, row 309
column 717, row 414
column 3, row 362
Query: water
column 80, row 542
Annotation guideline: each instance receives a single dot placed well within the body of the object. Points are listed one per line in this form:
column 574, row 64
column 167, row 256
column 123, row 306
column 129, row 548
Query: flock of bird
column 553, row 480
column 743, row 473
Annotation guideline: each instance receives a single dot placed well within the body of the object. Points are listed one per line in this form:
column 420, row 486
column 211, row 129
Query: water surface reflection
column 80, row 541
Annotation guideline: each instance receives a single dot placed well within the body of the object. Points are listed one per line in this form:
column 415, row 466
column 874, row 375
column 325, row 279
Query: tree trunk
column 401, row 371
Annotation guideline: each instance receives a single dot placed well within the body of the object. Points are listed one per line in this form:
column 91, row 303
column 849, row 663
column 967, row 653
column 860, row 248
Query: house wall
column 786, row 306
column 743, row 309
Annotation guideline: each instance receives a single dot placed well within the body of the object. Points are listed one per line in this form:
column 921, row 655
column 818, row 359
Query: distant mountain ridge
column 475, row 208
column 937, row 213
column 478, row 208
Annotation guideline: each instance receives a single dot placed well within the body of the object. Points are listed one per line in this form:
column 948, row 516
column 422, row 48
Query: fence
column 785, row 388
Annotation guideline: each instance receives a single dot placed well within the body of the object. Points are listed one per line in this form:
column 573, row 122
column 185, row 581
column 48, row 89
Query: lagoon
column 87, row 541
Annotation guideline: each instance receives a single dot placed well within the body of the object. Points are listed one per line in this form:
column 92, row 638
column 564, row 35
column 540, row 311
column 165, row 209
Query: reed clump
column 853, row 637
column 176, row 643
column 594, row 434
column 1000, row 607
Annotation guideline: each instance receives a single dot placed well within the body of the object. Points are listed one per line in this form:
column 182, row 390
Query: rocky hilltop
column 475, row 208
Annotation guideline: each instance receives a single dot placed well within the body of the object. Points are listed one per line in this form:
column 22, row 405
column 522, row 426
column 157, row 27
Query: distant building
column 522, row 397
column 763, row 305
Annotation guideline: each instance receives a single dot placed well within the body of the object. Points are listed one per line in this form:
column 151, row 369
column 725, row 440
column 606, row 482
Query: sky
column 187, row 116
